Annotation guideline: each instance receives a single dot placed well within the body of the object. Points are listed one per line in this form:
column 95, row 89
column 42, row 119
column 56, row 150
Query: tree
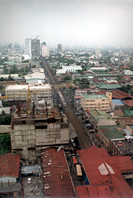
column 4, row 143
column 4, row 118
column 6, row 71
column 67, row 78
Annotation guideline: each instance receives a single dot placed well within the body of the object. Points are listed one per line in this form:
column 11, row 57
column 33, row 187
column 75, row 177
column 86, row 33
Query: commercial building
column 10, row 182
column 35, row 48
column 28, row 47
column 100, row 118
column 59, row 48
column 35, row 78
column 35, row 127
column 117, row 104
column 57, row 181
column 106, row 174
column 68, row 69
column 107, row 133
column 45, row 50
column 99, row 102
column 122, row 146
column 35, row 92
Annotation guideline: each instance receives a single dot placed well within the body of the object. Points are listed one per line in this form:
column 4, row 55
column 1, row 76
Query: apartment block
column 99, row 102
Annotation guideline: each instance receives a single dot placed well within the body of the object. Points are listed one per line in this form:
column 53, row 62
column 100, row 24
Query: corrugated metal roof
column 56, row 176
column 112, row 132
column 128, row 102
column 120, row 94
column 97, row 114
column 9, row 165
column 104, row 173
column 117, row 102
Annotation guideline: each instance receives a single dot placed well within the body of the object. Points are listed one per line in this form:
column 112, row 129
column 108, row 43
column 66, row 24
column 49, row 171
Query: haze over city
column 70, row 22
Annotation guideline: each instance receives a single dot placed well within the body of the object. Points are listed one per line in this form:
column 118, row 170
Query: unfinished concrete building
column 40, row 127
column 35, row 92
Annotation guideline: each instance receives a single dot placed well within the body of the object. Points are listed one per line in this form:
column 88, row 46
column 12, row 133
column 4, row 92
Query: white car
column 29, row 181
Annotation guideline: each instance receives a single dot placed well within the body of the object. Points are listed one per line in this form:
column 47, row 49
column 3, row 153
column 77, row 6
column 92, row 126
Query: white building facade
column 68, row 69
column 28, row 47
column 20, row 92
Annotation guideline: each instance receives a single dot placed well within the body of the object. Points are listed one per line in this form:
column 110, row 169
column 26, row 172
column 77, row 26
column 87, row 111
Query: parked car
column 29, row 181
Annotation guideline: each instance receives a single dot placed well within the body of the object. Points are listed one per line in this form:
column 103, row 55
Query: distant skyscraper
column 28, row 47
column 45, row 50
column 35, row 48
column 98, row 53
column 59, row 48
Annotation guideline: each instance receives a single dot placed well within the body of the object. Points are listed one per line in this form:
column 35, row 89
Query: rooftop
column 93, row 97
column 125, row 120
column 100, row 114
column 25, row 87
column 104, row 173
column 118, row 94
column 107, row 74
column 112, row 132
column 129, row 103
column 9, row 165
column 108, row 86
column 117, row 102
column 123, row 146
column 56, row 176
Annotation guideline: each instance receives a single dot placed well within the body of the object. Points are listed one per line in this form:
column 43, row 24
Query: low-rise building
column 100, row 118
column 99, row 102
column 121, row 146
column 57, row 181
column 117, row 104
column 68, row 69
column 118, row 94
column 123, row 121
column 106, row 174
column 35, row 78
column 10, row 182
column 107, row 133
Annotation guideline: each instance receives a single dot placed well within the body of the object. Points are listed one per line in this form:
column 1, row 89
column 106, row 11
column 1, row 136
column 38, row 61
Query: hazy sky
column 70, row 22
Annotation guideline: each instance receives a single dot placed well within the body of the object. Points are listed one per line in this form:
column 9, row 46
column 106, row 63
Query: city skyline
column 70, row 22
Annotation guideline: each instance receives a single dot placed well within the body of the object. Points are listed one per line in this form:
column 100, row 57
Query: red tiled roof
column 125, row 120
column 56, row 176
column 125, row 66
column 126, row 77
column 120, row 94
column 104, row 174
column 77, row 97
column 9, row 165
column 98, row 191
column 128, row 102
column 118, row 113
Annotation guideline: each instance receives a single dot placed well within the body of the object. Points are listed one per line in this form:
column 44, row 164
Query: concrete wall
column 25, row 139
column 6, row 180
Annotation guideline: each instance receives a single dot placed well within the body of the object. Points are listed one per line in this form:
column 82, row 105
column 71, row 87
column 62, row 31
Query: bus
column 79, row 172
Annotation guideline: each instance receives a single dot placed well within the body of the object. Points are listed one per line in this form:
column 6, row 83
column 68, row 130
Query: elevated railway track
column 82, row 136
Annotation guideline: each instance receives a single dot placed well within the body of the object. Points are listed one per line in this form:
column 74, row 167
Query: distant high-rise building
column 98, row 53
column 59, row 48
column 28, row 47
column 35, row 48
column 45, row 50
